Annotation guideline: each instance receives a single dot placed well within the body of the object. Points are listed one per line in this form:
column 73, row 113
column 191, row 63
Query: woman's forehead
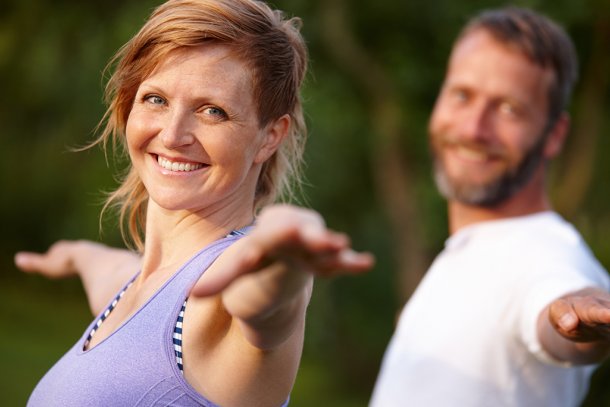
column 210, row 64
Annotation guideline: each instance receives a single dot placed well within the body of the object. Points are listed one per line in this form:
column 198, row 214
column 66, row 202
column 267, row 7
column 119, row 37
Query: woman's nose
column 177, row 131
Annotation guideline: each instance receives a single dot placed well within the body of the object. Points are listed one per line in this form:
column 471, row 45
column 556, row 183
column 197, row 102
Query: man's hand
column 576, row 327
column 583, row 316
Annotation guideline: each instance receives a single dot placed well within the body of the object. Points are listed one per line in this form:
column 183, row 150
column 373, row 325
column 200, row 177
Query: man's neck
column 531, row 199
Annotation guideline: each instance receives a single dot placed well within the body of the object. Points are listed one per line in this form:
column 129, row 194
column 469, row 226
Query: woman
column 205, row 99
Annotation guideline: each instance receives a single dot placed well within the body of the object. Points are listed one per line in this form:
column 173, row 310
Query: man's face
column 487, row 130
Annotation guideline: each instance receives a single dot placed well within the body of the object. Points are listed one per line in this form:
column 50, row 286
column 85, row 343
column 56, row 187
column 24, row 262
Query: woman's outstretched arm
column 103, row 270
column 265, row 279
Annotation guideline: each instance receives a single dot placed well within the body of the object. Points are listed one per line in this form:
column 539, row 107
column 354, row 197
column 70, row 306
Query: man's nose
column 477, row 123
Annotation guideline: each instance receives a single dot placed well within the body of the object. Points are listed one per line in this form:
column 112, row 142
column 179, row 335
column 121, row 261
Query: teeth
column 177, row 166
column 472, row 154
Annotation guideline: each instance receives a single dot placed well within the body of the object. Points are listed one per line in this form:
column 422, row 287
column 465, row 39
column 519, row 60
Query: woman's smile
column 178, row 165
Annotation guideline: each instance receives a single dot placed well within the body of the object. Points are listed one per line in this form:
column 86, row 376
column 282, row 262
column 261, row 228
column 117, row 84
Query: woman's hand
column 294, row 236
column 265, row 278
column 57, row 262
column 102, row 269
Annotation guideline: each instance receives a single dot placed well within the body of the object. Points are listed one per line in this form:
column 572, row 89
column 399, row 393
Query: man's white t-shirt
column 467, row 337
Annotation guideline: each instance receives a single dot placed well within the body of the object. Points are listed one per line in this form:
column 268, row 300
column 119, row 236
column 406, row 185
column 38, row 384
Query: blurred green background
column 375, row 70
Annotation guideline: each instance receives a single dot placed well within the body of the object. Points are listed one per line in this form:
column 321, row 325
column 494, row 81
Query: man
column 515, row 310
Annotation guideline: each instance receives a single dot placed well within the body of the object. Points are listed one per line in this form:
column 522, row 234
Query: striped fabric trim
column 105, row 315
column 177, row 337
column 239, row 232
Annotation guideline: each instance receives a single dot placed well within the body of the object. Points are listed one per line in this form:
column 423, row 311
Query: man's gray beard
column 496, row 191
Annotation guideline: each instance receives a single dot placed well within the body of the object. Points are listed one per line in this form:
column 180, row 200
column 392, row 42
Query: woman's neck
column 172, row 237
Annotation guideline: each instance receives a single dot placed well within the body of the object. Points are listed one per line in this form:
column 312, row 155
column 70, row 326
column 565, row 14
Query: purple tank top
column 136, row 364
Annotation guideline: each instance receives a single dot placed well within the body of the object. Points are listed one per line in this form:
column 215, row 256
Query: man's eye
column 215, row 111
column 508, row 109
column 460, row 95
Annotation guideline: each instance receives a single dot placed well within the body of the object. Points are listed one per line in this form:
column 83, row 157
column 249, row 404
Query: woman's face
column 193, row 133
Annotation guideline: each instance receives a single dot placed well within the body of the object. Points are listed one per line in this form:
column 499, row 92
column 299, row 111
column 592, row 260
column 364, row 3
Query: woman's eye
column 155, row 99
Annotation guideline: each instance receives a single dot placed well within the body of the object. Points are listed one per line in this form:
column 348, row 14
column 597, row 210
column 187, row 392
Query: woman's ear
column 274, row 134
column 557, row 136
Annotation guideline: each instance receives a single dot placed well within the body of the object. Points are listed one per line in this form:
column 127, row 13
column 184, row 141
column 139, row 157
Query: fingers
column 563, row 316
column 28, row 261
column 284, row 227
column 350, row 261
column 56, row 262
column 582, row 317
column 594, row 317
column 313, row 248
column 295, row 239
column 241, row 258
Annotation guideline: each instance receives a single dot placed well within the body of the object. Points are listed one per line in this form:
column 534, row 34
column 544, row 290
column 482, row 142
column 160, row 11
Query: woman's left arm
column 266, row 278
